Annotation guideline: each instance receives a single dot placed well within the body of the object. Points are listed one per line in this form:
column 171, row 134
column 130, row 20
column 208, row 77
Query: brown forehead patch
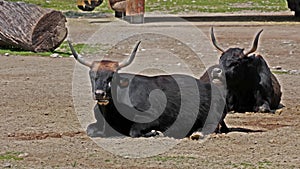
column 105, row 65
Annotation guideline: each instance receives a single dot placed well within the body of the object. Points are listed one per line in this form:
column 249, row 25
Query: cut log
column 135, row 7
column 31, row 27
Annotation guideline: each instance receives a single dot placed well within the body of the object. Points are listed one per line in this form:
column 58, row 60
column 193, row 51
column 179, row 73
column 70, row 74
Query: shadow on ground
column 244, row 130
column 236, row 18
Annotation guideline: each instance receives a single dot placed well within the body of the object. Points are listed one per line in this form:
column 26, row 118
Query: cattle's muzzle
column 101, row 97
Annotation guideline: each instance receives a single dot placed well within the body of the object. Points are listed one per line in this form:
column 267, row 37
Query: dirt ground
column 41, row 129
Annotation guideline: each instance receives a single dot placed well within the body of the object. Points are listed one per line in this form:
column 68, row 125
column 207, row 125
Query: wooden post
column 135, row 9
column 30, row 27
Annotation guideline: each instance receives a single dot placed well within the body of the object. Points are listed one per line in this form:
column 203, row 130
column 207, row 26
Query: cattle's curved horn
column 78, row 57
column 132, row 56
column 255, row 43
column 213, row 39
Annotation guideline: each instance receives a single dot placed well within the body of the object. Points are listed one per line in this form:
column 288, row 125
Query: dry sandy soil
column 39, row 123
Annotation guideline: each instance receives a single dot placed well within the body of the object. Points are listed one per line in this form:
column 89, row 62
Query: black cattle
column 251, row 86
column 136, row 105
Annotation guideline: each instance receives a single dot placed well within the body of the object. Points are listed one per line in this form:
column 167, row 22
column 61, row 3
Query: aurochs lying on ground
column 251, row 86
column 139, row 106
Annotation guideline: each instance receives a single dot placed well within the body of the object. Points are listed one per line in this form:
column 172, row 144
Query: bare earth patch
column 37, row 114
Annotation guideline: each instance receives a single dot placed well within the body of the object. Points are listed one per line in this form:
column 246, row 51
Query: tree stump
column 135, row 9
column 31, row 27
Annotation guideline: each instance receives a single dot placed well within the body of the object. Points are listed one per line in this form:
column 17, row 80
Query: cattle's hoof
column 152, row 133
column 197, row 136
column 94, row 131
column 135, row 133
column 278, row 111
column 265, row 109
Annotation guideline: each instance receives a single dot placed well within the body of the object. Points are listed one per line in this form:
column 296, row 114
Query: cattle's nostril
column 100, row 93
column 217, row 70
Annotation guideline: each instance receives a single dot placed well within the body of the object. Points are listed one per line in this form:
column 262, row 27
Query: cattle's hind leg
column 101, row 128
column 223, row 128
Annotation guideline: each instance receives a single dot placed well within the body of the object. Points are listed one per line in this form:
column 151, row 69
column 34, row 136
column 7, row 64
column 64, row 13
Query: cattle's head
column 234, row 60
column 88, row 5
column 103, row 73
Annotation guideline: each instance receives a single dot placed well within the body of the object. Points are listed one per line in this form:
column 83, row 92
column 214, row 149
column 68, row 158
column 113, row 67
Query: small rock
column 286, row 42
column 6, row 54
column 71, row 56
column 10, row 134
column 27, row 78
column 23, row 155
column 7, row 165
column 54, row 55
column 272, row 141
column 277, row 67
column 294, row 72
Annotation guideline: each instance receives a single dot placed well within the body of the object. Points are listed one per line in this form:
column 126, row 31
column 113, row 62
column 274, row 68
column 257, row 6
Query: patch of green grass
column 74, row 164
column 172, row 158
column 264, row 164
column 177, row 6
column 63, row 50
column 65, row 5
column 245, row 165
column 278, row 72
column 10, row 156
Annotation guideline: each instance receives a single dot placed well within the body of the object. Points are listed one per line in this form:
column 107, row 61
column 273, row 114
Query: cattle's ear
column 241, row 54
column 124, row 82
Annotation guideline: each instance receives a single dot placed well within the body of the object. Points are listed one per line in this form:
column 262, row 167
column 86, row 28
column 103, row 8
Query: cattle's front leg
column 97, row 129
